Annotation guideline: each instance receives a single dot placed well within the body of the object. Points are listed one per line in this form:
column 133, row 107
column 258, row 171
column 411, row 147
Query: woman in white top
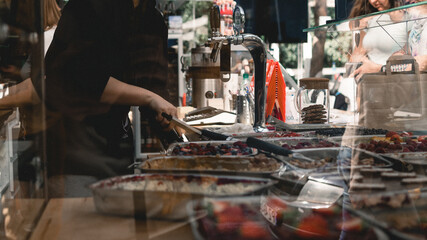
column 416, row 42
column 418, row 36
column 379, row 39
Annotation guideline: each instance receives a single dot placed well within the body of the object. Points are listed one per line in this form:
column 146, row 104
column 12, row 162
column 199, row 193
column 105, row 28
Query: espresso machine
column 205, row 77
column 221, row 46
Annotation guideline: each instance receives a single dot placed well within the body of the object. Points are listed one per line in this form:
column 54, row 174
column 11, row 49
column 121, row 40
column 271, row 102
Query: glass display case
column 23, row 154
column 361, row 175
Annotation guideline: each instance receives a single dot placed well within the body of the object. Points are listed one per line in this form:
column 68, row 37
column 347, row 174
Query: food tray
column 228, row 218
column 409, row 156
column 302, row 143
column 288, row 221
column 389, row 147
column 258, row 165
column 274, row 134
column 353, row 141
column 406, row 222
column 164, row 196
column 344, row 154
column 200, row 147
column 306, row 127
column 293, row 181
column 410, row 161
column 338, row 173
column 350, row 131
column 376, row 190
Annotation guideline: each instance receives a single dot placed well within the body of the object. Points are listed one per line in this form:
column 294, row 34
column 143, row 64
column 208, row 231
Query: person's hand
column 159, row 105
column 422, row 62
column 367, row 67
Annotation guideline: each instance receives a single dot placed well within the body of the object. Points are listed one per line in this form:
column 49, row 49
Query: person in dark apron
column 106, row 56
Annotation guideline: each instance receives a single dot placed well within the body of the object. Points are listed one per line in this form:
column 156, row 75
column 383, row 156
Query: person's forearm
column 120, row 93
column 20, row 95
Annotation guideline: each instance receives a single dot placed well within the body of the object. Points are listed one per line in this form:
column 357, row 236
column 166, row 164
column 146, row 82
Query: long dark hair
column 363, row 7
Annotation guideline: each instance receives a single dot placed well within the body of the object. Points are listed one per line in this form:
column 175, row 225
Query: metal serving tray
column 410, row 161
column 345, row 156
column 170, row 149
column 352, row 141
column 267, row 135
column 313, row 141
column 338, row 171
column 168, row 204
column 261, row 166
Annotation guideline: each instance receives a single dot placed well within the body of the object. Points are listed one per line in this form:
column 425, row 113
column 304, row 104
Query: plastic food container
column 289, row 221
column 228, row 218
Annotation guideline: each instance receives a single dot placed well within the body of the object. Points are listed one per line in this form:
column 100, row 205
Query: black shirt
column 96, row 40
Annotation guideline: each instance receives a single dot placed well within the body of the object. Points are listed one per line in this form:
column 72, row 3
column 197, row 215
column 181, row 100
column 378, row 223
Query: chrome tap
column 255, row 46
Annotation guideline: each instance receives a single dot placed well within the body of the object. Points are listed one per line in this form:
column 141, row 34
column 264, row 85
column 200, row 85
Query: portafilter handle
column 215, row 20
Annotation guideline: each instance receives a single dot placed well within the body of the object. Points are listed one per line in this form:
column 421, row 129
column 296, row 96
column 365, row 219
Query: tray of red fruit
column 205, row 148
column 287, row 221
column 228, row 218
column 392, row 142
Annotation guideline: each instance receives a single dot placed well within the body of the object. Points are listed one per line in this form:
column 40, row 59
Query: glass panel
column 22, row 120
column 397, row 15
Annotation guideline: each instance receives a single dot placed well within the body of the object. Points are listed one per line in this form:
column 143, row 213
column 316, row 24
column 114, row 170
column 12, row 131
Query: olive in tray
column 294, row 222
column 211, row 148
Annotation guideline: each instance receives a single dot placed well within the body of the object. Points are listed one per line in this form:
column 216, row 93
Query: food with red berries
column 296, row 222
column 231, row 219
column 218, row 148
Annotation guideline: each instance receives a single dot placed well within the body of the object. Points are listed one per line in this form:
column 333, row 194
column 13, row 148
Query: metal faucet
column 255, row 46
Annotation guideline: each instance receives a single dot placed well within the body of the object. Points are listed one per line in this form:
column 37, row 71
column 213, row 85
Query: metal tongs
column 200, row 132
column 271, row 148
